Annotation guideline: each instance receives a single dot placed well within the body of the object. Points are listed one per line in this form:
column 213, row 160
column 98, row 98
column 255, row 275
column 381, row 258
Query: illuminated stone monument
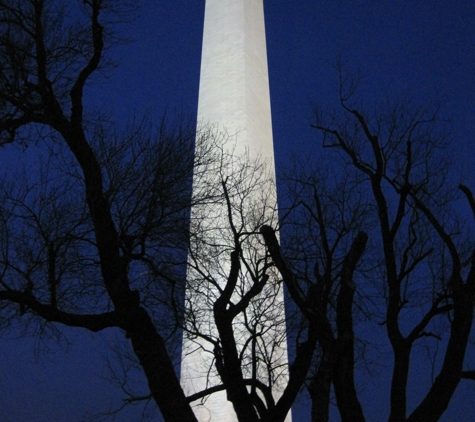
column 234, row 101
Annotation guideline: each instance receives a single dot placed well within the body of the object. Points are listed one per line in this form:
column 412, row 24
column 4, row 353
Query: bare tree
column 323, row 242
column 234, row 312
column 426, row 260
column 47, row 58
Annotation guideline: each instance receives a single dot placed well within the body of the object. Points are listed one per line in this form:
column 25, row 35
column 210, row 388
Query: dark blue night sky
column 422, row 50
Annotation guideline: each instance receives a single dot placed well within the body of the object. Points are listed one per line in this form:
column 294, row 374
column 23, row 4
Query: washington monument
column 234, row 107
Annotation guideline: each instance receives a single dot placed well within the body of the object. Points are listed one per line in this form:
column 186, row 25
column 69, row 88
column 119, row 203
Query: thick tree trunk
column 320, row 389
column 344, row 359
column 229, row 369
column 158, row 368
column 438, row 398
column 399, row 384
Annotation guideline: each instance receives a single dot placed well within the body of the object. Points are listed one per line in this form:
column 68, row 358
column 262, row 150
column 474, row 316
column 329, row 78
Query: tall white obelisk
column 234, row 84
column 234, row 100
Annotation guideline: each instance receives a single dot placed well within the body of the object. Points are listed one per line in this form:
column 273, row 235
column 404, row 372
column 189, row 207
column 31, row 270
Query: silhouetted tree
column 425, row 261
column 394, row 186
column 324, row 225
column 70, row 239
